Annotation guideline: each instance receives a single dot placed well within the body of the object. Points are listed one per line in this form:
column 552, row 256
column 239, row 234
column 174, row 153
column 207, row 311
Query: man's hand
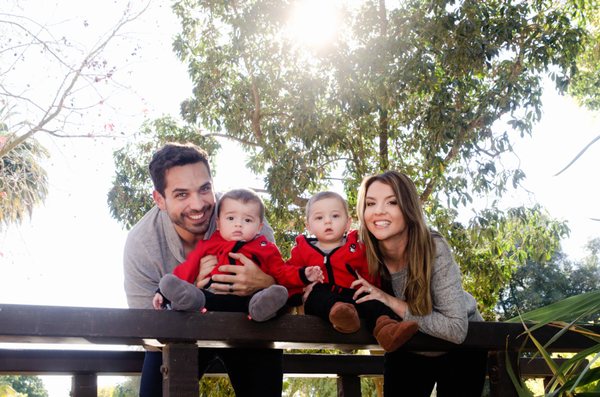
column 157, row 301
column 243, row 280
column 207, row 264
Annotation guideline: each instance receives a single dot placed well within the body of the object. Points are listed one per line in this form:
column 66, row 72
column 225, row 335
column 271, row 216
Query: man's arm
column 141, row 274
column 244, row 280
column 267, row 231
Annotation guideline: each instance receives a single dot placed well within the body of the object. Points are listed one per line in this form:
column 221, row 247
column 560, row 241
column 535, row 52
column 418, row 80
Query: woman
column 420, row 282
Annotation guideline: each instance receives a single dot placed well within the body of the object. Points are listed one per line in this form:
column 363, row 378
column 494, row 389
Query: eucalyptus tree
column 436, row 89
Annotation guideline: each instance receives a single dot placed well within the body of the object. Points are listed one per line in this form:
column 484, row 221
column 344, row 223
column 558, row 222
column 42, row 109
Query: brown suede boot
column 344, row 318
column 391, row 334
column 381, row 322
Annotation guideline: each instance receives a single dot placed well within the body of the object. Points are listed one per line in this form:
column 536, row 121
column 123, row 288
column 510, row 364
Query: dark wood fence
column 181, row 333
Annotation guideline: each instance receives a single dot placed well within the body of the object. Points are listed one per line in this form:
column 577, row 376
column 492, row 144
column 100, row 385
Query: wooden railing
column 181, row 333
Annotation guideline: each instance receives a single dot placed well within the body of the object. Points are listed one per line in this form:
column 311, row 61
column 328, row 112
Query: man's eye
column 205, row 189
column 181, row 195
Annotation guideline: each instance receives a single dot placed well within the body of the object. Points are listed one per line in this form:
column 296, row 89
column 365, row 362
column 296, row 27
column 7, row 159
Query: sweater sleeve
column 141, row 273
column 448, row 319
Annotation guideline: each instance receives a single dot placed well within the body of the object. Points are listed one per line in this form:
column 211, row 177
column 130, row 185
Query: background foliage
column 23, row 180
column 31, row 386
column 436, row 89
column 534, row 286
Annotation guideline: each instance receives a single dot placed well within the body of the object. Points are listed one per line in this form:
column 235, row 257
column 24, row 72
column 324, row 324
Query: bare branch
column 578, row 155
column 67, row 85
column 35, row 37
column 232, row 138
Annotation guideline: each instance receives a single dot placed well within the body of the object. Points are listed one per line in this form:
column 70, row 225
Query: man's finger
column 202, row 283
column 234, row 269
column 224, row 278
column 241, row 257
column 222, row 288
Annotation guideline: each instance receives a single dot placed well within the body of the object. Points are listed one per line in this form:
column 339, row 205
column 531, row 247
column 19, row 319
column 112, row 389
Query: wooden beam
column 84, row 385
column 48, row 324
column 109, row 362
column 180, row 370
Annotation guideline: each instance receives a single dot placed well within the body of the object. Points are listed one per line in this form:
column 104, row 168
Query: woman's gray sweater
column 453, row 307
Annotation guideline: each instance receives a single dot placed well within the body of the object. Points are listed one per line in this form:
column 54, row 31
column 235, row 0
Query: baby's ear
column 349, row 223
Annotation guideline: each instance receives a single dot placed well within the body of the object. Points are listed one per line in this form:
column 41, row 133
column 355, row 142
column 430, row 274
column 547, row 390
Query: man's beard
column 195, row 227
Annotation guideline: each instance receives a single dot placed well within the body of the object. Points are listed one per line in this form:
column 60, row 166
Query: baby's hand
column 314, row 273
column 157, row 301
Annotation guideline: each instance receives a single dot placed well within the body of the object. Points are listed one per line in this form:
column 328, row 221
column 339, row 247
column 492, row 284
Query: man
column 183, row 215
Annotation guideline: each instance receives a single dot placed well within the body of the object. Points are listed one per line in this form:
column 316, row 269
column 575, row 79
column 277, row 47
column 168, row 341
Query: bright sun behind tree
column 313, row 23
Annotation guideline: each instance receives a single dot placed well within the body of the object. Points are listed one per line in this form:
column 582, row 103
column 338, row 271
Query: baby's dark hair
column 245, row 196
column 174, row 155
column 325, row 195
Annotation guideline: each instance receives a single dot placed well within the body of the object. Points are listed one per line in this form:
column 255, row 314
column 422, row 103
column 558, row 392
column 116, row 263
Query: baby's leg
column 265, row 304
column 183, row 295
column 335, row 307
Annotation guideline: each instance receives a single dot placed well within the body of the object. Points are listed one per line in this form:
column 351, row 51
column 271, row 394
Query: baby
column 342, row 259
column 239, row 220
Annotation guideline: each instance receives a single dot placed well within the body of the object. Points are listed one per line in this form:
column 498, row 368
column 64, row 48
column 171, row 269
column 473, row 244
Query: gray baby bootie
column 265, row 304
column 183, row 295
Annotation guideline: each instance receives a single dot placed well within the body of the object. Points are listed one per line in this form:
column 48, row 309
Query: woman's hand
column 241, row 280
column 371, row 292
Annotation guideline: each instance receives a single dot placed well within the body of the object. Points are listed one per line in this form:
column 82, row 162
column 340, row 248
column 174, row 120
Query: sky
column 70, row 251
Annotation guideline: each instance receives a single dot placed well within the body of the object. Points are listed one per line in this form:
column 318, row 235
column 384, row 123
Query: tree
column 536, row 284
column 497, row 244
column 585, row 85
column 130, row 196
column 417, row 87
column 23, row 181
column 31, row 386
column 129, row 388
column 49, row 82
column 437, row 89
column 7, row 391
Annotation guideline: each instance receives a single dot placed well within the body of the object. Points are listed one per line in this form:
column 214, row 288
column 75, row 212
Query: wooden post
column 84, row 385
column 348, row 386
column 180, row 370
column 500, row 383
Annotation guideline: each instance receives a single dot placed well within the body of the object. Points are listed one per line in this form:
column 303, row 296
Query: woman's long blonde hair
column 420, row 249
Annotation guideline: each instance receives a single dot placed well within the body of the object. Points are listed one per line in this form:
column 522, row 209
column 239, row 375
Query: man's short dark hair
column 174, row 155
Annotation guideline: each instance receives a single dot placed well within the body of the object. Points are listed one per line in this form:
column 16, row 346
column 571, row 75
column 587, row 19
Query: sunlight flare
column 313, row 23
